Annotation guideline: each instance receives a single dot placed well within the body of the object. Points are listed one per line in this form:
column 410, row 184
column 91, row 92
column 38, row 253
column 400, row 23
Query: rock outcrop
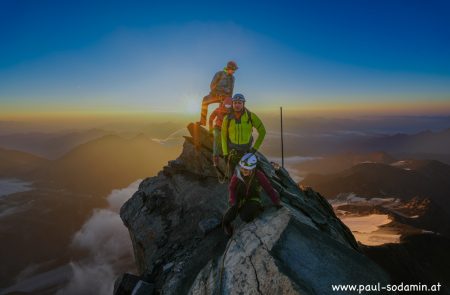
column 174, row 223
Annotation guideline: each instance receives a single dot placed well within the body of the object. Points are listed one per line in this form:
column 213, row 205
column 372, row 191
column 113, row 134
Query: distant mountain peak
column 19, row 164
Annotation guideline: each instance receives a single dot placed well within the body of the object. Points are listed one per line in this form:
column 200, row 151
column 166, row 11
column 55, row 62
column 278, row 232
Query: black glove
column 225, row 157
column 253, row 150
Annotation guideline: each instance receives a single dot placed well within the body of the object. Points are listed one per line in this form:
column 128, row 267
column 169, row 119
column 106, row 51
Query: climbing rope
column 221, row 179
column 226, row 175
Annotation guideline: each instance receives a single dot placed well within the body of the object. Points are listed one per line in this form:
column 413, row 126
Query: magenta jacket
column 237, row 181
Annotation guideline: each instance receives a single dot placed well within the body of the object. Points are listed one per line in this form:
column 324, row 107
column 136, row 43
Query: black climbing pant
column 248, row 211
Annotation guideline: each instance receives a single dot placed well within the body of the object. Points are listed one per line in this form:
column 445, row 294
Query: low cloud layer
column 174, row 139
column 110, row 250
column 11, row 186
column 290, row 165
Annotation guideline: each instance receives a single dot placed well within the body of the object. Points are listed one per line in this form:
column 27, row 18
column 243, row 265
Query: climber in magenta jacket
column 244, row 188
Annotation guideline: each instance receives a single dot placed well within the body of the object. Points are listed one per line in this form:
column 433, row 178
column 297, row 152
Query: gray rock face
column 276, row 254
column 174, row 217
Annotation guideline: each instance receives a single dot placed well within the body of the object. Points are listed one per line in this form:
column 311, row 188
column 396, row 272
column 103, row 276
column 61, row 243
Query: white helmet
column 248, row 161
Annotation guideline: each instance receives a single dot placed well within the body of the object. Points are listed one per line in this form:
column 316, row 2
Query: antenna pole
column 282, row 141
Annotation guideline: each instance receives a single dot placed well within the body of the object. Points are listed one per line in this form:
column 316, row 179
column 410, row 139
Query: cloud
column 174, row 139
column 110, row 250
column 291, row 162
column 11, row 186
column 294, row 159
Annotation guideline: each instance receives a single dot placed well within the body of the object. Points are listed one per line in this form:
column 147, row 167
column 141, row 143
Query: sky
column 106, row 58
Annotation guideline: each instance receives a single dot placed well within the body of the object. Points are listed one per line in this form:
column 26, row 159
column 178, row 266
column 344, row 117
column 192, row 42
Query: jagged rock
column 125, row 284
column 276, row 254
column 207, row 225
column 300, row 249
column 143, row 288
column 168, row 267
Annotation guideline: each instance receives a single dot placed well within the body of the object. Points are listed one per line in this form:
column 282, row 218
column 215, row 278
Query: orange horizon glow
column 308, row 109
column 376, row 108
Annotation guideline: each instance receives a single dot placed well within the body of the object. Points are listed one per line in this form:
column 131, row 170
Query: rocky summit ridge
column 174, row 220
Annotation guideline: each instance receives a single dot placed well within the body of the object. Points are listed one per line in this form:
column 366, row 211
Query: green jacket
column 239, row 132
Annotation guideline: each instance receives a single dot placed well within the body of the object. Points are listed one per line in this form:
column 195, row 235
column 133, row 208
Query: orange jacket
column 219, row 113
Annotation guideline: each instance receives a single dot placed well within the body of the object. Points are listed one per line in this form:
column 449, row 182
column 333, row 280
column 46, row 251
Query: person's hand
column 278, row 205
column 211, row 130
column 225, row 157
column 253, row 150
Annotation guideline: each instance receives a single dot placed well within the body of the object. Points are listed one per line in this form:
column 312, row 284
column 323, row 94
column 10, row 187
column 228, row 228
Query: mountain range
column 412, row 192
column 65, row 192
column 53, row 145
column 49, row 145
column 402, row 179
column 104, row 163
column 338, row 162
column 422, row 145
column 18, row 164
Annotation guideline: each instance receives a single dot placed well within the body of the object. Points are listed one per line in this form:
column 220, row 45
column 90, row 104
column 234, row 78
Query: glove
column 225, row 157
column 253, row 150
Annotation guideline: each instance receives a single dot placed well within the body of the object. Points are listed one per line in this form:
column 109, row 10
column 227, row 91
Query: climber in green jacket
column 237, row 128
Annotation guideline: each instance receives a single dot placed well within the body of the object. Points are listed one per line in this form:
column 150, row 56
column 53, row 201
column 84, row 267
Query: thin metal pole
column 282, row 141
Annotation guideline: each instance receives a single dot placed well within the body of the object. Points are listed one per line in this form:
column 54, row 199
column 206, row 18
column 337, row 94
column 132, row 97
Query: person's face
column 246, row 172
column 238, row 105
column 230, row 71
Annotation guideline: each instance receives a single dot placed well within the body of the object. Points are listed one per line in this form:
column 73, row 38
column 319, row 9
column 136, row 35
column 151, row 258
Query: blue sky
column 158, row 56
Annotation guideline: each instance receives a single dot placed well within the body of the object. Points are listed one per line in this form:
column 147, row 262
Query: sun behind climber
column 244, row 188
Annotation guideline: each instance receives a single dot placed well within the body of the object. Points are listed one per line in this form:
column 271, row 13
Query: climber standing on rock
column 244, row 189
column 237, row 129
column 221, row 87
column 215, row 126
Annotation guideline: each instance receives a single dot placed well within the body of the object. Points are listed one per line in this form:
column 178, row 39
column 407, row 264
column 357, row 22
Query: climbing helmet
column 248, row 161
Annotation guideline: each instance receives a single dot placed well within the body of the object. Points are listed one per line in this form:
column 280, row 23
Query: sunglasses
column 237, row 102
